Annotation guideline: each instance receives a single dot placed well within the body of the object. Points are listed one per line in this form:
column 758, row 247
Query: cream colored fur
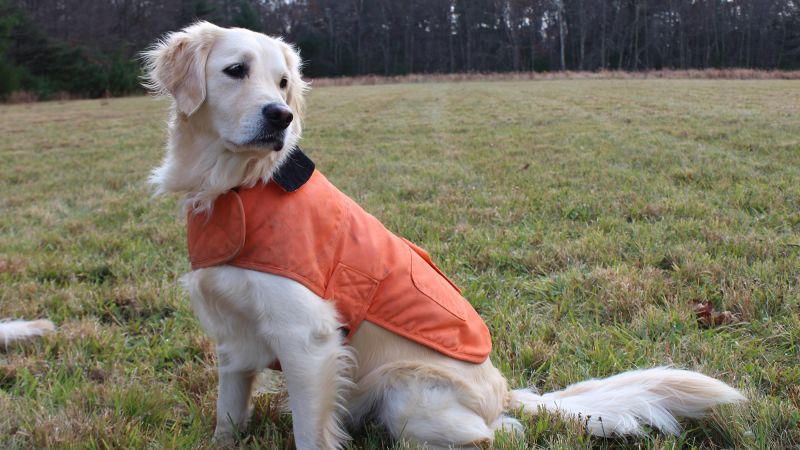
column 418, row 394
column 16, row 330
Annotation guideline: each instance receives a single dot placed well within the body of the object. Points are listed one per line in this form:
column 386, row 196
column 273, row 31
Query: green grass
column 581, row 218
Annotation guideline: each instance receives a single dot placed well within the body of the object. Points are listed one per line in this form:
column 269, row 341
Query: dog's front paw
column 223, row 438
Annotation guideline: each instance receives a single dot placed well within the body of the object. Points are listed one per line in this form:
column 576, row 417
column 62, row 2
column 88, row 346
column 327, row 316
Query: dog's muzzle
column 278, row 117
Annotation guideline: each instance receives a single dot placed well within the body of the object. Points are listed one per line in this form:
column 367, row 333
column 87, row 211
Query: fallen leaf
column 710, row 317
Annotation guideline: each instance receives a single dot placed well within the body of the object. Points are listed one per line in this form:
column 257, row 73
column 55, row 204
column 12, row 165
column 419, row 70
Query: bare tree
column 391, row 37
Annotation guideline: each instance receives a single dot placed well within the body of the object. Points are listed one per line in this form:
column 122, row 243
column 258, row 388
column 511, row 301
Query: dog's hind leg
column 427, row 405
column 446, row 424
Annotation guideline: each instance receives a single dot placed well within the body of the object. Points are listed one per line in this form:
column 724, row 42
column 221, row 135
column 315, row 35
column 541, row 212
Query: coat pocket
column 431, row 282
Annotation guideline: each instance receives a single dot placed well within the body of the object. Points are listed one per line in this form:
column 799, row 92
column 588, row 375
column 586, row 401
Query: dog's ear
column 295, row 97
column 176, row 65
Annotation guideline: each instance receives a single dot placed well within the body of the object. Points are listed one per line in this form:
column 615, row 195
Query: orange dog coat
column 314, row 234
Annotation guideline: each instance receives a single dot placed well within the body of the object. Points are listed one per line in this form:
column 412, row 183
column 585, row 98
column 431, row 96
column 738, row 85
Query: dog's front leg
column 317, row 378
column 233, row 403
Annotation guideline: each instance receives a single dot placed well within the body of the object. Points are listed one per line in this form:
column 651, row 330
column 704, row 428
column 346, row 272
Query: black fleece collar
column 295, row 170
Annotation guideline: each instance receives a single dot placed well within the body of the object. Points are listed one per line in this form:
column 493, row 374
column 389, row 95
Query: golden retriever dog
column 222, row 136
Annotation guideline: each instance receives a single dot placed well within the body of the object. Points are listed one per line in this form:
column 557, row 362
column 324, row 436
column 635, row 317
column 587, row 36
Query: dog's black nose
column 278, row 116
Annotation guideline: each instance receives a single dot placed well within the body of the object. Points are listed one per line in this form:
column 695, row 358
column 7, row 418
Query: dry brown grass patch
column 694, row 74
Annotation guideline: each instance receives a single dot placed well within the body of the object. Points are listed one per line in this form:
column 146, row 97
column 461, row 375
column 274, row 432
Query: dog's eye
column 237, row 70
column 284, row 83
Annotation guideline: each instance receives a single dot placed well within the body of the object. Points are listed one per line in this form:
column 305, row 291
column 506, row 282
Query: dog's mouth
column 266, row 140
column 269, row 140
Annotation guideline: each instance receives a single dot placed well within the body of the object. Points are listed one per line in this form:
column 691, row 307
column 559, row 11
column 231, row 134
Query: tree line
column 88, row 47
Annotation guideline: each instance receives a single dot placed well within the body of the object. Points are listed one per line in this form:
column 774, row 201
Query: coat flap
column 217, row 237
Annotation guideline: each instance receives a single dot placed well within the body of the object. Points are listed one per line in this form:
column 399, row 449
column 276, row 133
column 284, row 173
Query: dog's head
column 242, row 86
column 237, row 102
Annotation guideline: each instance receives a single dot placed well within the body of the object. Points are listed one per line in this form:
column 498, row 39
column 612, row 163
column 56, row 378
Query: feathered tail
column 15, row 330
column 621, row 404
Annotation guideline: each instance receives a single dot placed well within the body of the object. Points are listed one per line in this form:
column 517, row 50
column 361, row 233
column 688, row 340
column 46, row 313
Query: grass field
column 584, row 219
